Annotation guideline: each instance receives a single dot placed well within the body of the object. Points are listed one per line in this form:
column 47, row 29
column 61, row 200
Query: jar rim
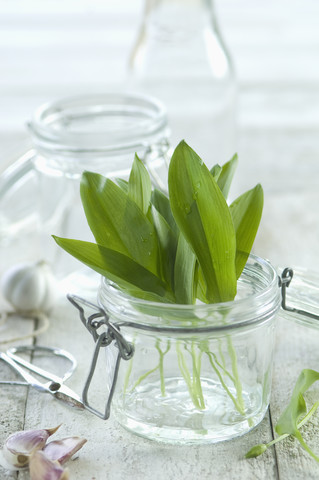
column 258, row 306
column 119, row 122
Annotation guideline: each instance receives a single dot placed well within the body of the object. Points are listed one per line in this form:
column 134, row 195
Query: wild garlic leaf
column 226, row 175
column 168, row 245
column 117, row 267
column 99, row 198
column 246, row 213
column 261, row 448
column 184, row 273
column 288, row 421
column 139, row 185
column 122, row 183
column 203, row 216
column 201, row 286
column 216, row 171
column 162, row 205
column 117, row 222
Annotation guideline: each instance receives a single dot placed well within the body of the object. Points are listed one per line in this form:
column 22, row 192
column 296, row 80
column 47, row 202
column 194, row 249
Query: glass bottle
column 180, row 57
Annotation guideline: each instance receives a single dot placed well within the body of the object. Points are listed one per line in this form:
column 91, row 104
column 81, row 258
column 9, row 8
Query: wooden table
column 276, row 48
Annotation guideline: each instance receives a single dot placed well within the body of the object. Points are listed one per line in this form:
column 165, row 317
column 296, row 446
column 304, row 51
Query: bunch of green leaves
column 174, row 249
column 294, row 416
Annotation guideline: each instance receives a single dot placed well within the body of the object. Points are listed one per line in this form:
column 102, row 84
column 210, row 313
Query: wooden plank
column 12, row 398
column 296, row 349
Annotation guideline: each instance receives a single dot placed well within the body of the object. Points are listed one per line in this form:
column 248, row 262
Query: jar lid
column 300, row 296
column 109, row 123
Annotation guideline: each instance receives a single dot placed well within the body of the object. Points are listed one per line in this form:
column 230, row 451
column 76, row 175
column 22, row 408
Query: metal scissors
column 55, row 384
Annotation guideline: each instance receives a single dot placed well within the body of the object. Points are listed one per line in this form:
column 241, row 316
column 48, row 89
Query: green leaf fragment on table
column 246, row 213
column 203, row 216
column 290, row 420
column 256, row 451
column 119, row 268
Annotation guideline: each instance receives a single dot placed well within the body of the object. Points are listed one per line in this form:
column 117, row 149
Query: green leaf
column 259, row 449
column 226, row 175
column 201, row 286
column 246, row 213
column 124, row 271
column 162, row 205
column 203, row 216
column 288, row 421
column 184, row 273
column 99, row 198
column 139, row 185
column 123, row 184
column 168, row 245
column 117, row 222
column 216, row 170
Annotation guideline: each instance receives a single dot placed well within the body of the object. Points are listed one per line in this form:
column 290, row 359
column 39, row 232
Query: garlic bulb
column 29, row 286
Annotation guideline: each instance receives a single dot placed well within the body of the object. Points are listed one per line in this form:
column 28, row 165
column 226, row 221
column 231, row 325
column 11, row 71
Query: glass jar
column 100, row 133
column 200, row 373
column 180, row 57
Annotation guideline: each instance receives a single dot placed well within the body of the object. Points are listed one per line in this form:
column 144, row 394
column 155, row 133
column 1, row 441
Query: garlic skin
column 63, row 450
column 29, row 287
column 42, row 468
column 19, row 446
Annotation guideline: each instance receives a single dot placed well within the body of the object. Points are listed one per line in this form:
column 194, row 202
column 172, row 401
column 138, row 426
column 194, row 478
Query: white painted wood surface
column 275, row 45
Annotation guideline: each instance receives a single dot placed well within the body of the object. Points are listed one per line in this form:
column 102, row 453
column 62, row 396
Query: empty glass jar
column 100, row 133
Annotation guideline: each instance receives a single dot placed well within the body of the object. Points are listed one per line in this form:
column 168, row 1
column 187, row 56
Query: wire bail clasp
column 284, row 282
column 104, row 339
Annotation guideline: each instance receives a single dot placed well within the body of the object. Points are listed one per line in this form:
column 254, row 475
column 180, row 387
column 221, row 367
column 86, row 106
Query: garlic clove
column 63, row 450
column 42, row 468
column 6, row 465
column 29, row 286
column 19, row 446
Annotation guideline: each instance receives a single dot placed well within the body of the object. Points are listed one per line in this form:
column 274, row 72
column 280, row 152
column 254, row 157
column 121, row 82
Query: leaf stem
column 161, row 363
column 159, row 366
column 285, row 435
column 197, row 397
column 196, row 376
column 231, row 396
column 237, row 382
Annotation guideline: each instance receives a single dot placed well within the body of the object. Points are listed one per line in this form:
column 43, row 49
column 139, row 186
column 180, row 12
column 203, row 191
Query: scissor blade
column 65, row 395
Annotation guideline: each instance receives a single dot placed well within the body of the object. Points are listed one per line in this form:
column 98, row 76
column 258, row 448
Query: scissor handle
column 11, row 352
column 33, row 382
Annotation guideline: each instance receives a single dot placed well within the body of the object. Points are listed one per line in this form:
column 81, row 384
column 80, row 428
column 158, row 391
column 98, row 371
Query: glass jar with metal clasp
column 193, row 374
column 39, row 194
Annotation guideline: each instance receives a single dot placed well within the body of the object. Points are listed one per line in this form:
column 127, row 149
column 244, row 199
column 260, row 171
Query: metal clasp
column 284, row 282
column 112, row 333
